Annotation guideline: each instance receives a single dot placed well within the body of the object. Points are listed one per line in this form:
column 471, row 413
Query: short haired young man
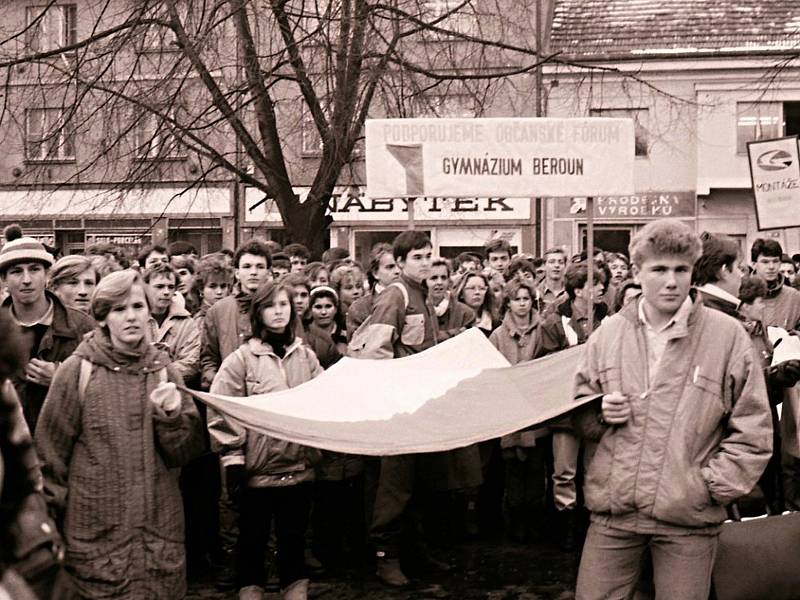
column 298, row 255
column 782, row 303
column 686, row 427
column 497, row 254
column 718, row 280
column 51, row 330
column 227, row 323
column 551, row 289
column 397, row 329
column 452, row 316
column 152, row 254
column 171, row 324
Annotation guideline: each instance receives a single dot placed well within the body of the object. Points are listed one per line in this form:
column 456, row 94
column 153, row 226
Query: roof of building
column 587, row 28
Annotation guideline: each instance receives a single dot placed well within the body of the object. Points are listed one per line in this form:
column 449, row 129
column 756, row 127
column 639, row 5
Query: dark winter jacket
column 226, row 326
column 59, row 342
column 781, row 306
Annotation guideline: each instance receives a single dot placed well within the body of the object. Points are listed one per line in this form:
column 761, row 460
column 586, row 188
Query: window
column 640, row 124
column 450, row 16
column 764, row 121
column 757, row 121
column 311, row 144
column 155, row 139
column 51, row 28
column 48, row 135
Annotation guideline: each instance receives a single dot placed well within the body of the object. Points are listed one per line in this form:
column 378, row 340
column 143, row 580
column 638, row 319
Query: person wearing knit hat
column 51, row 331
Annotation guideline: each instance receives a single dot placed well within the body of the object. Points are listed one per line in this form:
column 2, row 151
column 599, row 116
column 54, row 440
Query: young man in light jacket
column 686, row 427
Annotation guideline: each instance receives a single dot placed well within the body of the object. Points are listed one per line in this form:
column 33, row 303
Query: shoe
column 429, row 564
column 390, row 573
column 251, row 592
column 298, row 590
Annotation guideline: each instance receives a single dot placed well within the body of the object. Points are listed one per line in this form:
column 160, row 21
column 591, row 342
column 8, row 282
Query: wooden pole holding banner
column 590, row 261
column 410, row 207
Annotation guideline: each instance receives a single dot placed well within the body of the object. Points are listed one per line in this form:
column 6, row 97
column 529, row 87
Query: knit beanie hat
column 24, row 249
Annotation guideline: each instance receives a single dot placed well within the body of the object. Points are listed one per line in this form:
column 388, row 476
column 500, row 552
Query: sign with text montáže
column 775, row 174
column 520, row 157
column 644, row 205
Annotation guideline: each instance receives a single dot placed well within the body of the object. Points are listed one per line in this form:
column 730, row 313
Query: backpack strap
column 403, row 289
column 84, row 376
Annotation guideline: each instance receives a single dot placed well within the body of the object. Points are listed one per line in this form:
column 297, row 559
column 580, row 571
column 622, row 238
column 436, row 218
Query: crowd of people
column 105, row 455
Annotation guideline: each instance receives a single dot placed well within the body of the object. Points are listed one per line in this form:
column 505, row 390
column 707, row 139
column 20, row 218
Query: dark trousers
column 397, row 516
column 525, row 488
column 339, row 532
column 201, row 485
column 290, row 506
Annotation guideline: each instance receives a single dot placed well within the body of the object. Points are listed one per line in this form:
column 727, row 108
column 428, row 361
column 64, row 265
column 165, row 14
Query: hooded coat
column 109, row 461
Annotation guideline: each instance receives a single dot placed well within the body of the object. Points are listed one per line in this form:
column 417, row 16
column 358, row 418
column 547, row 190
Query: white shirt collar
column 681, row 315
column 715, row 290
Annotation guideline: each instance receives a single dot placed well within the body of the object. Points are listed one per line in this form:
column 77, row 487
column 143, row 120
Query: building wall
column 692, row 127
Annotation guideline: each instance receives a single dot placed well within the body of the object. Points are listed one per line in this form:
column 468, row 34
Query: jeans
column 290, row 507
column 612, row 561
column 566, row 449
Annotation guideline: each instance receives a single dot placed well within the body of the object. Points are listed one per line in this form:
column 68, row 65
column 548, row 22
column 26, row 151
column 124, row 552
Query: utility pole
column 537, row 202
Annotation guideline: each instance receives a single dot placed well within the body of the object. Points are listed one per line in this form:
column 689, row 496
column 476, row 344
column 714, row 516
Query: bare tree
column 247, row 89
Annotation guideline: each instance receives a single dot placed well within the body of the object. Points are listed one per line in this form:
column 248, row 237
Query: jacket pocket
column 413, row 330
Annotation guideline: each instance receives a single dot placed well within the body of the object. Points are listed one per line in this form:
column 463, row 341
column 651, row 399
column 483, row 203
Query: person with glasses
column 474, row 291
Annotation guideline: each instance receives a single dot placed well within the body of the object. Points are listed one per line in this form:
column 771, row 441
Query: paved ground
column 482, row 570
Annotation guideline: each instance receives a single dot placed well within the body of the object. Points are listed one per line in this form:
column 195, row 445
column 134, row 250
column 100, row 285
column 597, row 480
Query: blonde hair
column 665, row 237
column 112, row 289
column 69, row 267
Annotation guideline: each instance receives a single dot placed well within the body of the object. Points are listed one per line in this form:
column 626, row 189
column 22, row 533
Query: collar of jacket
column 516, row 332
column 243, row 301
column 63, row 325
column 631, row 312
column 711, row 300
column 420, row 286
column 567, row 309
column 96, row 348
column 775, row 288
column 260, row 348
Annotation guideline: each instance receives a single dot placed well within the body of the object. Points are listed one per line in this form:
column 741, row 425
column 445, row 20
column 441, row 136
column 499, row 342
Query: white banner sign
column 775, row 174
column 499, row 157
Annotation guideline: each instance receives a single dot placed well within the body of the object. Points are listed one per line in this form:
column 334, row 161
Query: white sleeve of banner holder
column 521, row 157
column 457, row 393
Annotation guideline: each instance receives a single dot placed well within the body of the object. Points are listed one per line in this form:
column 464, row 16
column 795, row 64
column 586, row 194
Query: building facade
column 700, row 79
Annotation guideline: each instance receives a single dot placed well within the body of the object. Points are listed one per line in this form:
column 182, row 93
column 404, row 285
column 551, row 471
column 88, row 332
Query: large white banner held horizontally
column 521, row 157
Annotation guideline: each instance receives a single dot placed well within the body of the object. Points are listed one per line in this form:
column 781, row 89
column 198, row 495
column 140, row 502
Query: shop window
column 365, row 240
column 640, row 118
column 205, row 240
column 49, row 135
column 609, row 238
column 51, row 27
